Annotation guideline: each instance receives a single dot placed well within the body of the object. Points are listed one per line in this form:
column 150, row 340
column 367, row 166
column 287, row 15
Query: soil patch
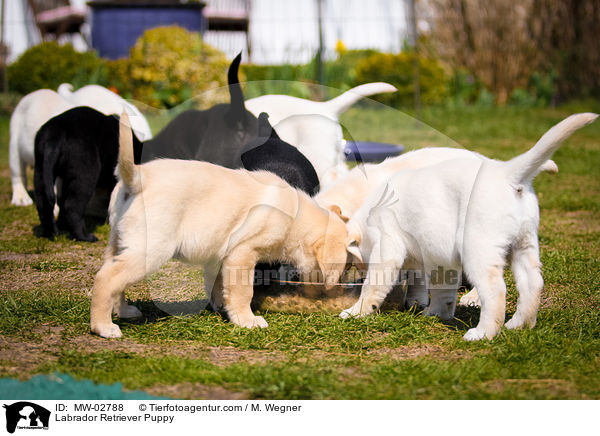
column 414, row 352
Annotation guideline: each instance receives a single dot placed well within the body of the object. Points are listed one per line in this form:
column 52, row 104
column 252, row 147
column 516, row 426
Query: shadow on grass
column 467, row 317
column 464, row 318
column 91, row 225
column 151, row 313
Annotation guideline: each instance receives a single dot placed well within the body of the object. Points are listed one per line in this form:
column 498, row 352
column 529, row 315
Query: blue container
column 116, row 26
column 359, row 151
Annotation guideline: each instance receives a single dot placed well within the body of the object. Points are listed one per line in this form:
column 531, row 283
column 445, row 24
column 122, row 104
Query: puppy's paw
column 259, row 321
column 107, row 330
column 347, row 314
column 129, row 311
column 474, row 335
column 86, row 238
column 470, row 299
column 21, row 200
column 443, row 314
column 518, row 323
column 354, row 312
column 250, row 323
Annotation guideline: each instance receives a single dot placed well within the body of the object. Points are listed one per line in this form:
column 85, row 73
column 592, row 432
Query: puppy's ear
column 265, row 130
column 354, row 250
column 322, row 253
column 352, row 247
column 338, row 211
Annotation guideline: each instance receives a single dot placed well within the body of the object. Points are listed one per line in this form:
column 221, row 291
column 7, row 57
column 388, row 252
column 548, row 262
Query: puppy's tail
column 65, row 90
column 236, row 114
column 525, row 167
column 127, row 170
column 340, row 104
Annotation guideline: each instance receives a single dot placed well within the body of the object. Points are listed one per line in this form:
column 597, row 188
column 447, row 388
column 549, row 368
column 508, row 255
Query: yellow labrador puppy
column 225, row 219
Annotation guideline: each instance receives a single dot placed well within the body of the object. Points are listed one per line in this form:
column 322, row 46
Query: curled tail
column 526, row 166
column 340, row 104
column 127, row 171
column 46, row 157
column 65, row 90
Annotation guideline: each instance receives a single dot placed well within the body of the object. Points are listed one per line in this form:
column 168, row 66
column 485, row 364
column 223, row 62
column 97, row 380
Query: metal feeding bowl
column 294, row 296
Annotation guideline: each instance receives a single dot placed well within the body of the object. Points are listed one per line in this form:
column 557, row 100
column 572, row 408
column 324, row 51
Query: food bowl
column 294, row 296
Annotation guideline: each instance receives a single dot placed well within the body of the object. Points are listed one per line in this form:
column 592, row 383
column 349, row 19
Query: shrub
column 118, row 77
column 286, row 72
column 543, row 87
column 169, row 65
column 464, row 88
column 398, row 69
column 338, row 74
column 341, row 73
column 49, row 64
column 277, row 79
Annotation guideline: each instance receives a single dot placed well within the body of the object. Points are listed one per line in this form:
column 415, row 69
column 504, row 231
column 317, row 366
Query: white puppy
column 107, row 102
column 347, row 194
column 313, row 127
column 463, row 213
column 225, row 219
column 30, row 114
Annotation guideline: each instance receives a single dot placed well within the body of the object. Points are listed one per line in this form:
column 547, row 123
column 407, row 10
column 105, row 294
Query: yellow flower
column 340, row 48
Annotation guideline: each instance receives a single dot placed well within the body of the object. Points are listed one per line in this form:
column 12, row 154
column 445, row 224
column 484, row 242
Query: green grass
column 45, row 285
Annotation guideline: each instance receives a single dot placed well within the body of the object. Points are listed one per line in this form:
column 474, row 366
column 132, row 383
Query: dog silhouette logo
column 26, row 415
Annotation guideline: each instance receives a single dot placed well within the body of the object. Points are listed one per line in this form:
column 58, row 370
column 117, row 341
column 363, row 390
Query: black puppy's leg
column 45, row 198
column 76, row 196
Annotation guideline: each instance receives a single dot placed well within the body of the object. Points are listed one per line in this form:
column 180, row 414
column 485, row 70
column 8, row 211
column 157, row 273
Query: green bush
column 118, row 77
column 49, row 64
column 398, row 69
column 541, row 91
column 169, row 65
column 464, row 88
column 286, row 72
column 341, row 73
column 543, row 87
column 277, row 79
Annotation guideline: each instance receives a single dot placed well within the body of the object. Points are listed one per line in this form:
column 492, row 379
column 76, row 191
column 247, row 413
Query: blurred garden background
column 449, row 53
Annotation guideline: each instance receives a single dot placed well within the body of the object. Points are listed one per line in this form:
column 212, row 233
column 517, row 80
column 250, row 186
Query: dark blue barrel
column 116, row 25
column 359, row 151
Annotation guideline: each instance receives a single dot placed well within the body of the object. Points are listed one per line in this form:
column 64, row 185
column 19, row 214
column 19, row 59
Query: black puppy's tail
column 237, row 108
column 46, row 157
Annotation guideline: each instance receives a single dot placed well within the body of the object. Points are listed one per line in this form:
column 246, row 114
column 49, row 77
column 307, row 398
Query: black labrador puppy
column 215, row 135
column 79, row 146
column 269, row 153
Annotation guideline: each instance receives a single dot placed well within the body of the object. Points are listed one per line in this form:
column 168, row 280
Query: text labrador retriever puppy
column 225, row 219
column 463, row 213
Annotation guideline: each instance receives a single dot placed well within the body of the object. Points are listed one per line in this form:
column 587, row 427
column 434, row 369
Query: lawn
column 45, row 287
